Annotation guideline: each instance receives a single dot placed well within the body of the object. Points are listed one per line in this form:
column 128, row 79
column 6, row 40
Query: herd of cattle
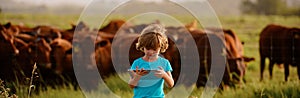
column 54, row 51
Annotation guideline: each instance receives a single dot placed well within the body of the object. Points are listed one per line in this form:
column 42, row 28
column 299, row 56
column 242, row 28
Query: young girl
column 148, row 73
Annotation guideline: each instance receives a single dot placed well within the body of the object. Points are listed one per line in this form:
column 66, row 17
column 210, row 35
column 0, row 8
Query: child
column 148, row 73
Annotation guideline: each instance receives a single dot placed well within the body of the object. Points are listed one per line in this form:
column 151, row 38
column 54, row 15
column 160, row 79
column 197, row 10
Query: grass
column 247, row 29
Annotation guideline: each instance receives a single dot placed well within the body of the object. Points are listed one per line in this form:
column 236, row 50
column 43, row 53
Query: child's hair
column 153, row 37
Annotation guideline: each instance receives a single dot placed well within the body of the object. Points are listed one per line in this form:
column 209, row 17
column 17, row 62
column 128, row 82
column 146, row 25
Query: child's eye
column 150, row 49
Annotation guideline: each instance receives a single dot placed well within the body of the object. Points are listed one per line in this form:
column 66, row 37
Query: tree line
column 269, row 7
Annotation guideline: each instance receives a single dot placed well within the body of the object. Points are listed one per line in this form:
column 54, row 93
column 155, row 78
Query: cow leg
column 286, row 72
column 262, row 67
column 271, row 65
column 298, row 70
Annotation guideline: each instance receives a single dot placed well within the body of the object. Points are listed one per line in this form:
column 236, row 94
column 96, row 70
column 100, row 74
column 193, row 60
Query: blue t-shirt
column 150, row 86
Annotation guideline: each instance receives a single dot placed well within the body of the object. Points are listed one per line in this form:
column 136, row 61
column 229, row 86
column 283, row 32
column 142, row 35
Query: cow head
column 40, row 50
column 13, row 29
column 8, row 41
column 296, row 42
column 102, row 53
column 235, row 59
column 49, row 33
column 296, row 33
column 113, row 26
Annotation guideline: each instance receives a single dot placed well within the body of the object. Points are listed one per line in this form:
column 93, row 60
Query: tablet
column 139, row 70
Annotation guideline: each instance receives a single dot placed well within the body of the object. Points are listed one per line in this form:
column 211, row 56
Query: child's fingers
column 158, row 74
column 160, row 68
column 132, row 72
column 136, row 69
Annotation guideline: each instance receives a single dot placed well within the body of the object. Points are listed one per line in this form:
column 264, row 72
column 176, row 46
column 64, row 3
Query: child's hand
column 141, row 72
column 160, row 73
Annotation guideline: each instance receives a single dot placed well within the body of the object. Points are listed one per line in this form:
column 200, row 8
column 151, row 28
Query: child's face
column 151, row 52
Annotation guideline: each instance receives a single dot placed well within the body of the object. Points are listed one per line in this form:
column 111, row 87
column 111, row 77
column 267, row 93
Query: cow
column 102, row 54
column 92, row 55
column 48, row 32
column 8, row 53
column 69, row 33
column 19, row 57
column 232, row 46
column 234, row 52
column 13, row 29
column 113, row 26
column 203, row 46
column 37, row 52
column 280, row 45
column 62, row 65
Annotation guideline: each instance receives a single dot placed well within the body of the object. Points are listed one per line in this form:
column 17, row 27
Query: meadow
column 247, row 27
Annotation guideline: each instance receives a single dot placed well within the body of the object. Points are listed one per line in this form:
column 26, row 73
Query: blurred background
column 229, row 7
column 246, row 18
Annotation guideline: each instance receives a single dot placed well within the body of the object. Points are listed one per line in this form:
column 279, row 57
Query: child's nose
column 152, row 51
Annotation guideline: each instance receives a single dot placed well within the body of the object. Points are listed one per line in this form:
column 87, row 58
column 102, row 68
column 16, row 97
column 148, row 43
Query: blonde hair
column 153, row 37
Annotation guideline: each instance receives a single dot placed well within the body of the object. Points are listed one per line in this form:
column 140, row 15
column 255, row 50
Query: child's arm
column 167, row 76
column 169, row 79
column 134, row 80
column 136, row 76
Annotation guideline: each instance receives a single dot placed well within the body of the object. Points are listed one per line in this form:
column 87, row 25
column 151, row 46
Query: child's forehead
column 149, row 34
column 152, row 48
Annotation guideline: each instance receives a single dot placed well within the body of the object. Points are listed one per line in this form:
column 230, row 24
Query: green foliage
column 59, row 93
column 31, row 20
column 268, row 7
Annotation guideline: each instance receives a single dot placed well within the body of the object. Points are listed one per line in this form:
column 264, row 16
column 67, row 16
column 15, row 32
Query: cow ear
column 248, row 59
column 296, row 36
column 243, row 43
column 69, row 51
column 102, row 43
column 7, row 25
column 53, row 44
column 29, row 50
column 296, row 33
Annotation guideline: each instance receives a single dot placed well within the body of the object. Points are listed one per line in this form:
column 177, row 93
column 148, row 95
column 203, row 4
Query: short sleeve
column 168, row 66
column 134, row 64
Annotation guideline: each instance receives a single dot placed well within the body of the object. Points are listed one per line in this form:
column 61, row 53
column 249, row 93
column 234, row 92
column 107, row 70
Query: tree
column 264, row 7
column 269, row 7
column 248, row 7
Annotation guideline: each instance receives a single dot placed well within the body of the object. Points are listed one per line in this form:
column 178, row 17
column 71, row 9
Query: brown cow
column 8, row 53
column 60, row 56
column 102, row 54
column 233, row 46
column 48, row 32
column 281, row 45
column 62, row 63
column 69, row 33
column 235, row 52
column 37, row 52
column 203, row 43
column 29, row 53
column 113, row 26
column 91, row 57
column 13, row 29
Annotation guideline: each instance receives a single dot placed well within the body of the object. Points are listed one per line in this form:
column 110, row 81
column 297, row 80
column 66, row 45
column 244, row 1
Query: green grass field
column 246, row 27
